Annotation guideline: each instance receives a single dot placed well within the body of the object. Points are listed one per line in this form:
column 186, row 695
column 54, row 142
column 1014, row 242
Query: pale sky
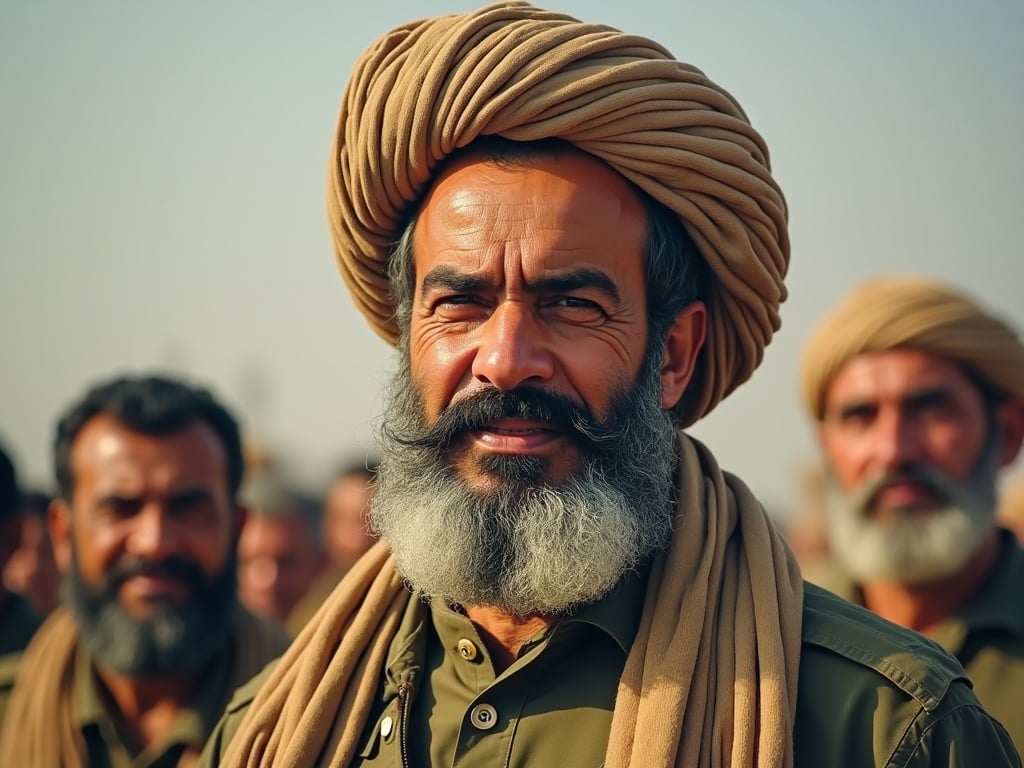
column 162, row 175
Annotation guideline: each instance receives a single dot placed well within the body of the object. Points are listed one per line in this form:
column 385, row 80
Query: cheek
column 438, row 369
column 847, row 458
column 957, row 450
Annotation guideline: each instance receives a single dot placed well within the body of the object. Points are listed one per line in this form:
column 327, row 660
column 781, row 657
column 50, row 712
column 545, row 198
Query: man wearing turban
column 918, row 395
column 577, row 245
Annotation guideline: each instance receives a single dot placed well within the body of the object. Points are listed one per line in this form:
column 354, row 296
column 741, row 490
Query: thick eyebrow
column 454, row 279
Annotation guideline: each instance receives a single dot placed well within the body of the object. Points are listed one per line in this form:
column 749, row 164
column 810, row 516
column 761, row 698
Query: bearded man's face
column 913, row 454
column 527, row 461
column 147, row 546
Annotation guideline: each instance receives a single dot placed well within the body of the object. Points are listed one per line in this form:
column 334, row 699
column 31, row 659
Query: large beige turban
column 914, row 313
column 430, row 87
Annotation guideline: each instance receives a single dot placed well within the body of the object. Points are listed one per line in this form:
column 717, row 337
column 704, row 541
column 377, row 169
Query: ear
column 1010, row 423
column 59, row 519
column 679, row 355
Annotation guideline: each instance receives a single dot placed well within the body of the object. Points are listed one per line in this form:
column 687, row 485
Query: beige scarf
column 40, row 729
column 711, row 679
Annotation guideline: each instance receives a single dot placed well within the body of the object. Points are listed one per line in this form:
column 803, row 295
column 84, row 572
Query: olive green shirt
column 985, row 634
column 870, row 694
column 108, row 747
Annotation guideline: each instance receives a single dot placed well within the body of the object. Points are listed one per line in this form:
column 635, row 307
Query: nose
column 513, row 349
column 897, row 442
column 264, row 573
column 153, row 534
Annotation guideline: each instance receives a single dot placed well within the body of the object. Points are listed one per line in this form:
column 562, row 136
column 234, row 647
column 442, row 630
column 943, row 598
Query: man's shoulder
column 256, row 642
column 851, row 635
column 244, row 694
column 867, row 684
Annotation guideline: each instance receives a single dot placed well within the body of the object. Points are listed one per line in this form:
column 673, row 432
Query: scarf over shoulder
column 711, row 679
column 430, row 87
column 40, row 730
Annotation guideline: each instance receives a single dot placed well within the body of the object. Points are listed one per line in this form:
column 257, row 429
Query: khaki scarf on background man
column 40, row 729
column 711, row 678
column 430, row 87
column 915, row 313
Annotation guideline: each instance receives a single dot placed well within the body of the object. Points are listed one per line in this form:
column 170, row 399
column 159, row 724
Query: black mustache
column 490, row 405
column 172, row 567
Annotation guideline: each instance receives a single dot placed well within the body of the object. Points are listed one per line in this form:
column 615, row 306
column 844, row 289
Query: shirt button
column 468, row 650
column 483, row 717
column 386, row 726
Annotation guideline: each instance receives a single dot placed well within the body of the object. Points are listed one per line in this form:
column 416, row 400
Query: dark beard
column 526, row 545
column 173, row 639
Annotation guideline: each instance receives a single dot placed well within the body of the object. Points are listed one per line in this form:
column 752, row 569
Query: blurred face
column 32, row 571
column 277, row 562
column 147, row 545
column 346, row 531
column 913, row 455
column 528, row 461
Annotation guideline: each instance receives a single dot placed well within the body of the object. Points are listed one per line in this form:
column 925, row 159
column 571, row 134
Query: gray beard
column 172, row 641
column 914, row 549
column 528, row 546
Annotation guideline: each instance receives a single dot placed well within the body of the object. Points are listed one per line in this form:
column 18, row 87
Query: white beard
column 913, row 548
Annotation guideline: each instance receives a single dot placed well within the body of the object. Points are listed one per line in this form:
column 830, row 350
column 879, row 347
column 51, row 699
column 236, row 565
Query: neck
column 145, row 708
column 505, row 634
column 922, row 607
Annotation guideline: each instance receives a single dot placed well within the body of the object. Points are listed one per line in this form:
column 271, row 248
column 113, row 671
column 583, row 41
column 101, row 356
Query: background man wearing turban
column 137, row 666
column 588, row 588
column 918, row 395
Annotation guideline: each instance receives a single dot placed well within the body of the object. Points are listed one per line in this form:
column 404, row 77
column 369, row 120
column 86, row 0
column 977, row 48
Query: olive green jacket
column 107, row 747
column 871, row 694
column 985, row 634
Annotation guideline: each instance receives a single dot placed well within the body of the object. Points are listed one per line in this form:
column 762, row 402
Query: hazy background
column 162, row 173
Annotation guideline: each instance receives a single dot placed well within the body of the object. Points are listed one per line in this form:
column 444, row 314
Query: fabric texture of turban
column 433, row 86
column 913, row 313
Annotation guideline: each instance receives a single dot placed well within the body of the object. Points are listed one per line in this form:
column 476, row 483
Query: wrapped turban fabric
column 523, row 73
column 914, row 313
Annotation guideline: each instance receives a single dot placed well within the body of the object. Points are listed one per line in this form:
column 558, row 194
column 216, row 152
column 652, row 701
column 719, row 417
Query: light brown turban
column 913, row 313
column 433, row 86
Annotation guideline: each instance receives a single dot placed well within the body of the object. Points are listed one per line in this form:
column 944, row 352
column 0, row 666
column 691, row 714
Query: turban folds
column 912, row 313
column 431, row 87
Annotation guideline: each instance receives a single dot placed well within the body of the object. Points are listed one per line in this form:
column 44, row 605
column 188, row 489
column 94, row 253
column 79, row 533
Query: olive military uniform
column 109, row 747
column 903, row 703
column 986, row 635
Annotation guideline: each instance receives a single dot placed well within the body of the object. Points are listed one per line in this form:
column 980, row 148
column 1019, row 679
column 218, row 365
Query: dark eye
column 575, row 309
column 121, row 508
column 459, row 308
column 859, row 415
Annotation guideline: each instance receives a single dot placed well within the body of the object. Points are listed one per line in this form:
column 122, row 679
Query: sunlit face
column 278, row 560
column 914, row 454
column 144, row 512
column 886, row 411
column 527, row 277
